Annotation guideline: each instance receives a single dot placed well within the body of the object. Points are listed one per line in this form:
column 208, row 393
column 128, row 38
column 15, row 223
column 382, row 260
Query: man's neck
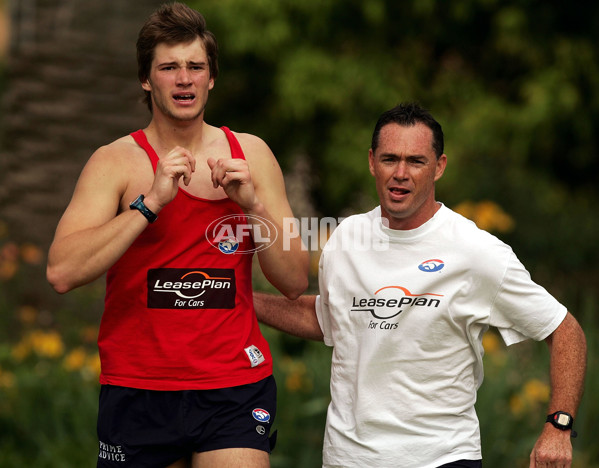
column 168, row 133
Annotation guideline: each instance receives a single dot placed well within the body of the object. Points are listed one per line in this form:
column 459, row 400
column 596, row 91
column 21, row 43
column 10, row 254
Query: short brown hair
column 173, row 23
column 408, row 114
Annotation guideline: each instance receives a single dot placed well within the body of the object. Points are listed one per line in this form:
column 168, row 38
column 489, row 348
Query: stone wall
column 71, row 87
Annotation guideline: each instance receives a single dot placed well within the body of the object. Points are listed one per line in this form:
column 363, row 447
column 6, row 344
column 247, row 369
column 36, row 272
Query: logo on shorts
column 260, row 430
column 261, row 415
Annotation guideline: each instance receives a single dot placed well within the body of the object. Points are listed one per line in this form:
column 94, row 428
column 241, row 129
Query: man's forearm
column 296, row 317
column 568, row 366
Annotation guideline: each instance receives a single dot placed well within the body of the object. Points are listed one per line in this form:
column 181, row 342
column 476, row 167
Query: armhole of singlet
column 140, row 138
column 236, row 151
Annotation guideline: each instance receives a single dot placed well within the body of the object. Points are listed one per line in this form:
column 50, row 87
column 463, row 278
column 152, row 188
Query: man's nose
column 183, row 76
column 401, row 170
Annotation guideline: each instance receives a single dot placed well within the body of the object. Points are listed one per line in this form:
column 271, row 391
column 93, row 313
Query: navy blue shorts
column 147, row 428
column 464, row 464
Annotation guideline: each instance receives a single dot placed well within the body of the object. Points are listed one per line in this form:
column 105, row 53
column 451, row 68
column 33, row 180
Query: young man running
column 167, row 213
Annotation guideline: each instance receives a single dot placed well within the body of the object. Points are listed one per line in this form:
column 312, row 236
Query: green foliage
column 514, row 84
column 49, row 370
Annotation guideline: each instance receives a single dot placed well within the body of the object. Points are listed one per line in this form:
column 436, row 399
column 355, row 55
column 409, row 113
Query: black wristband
column 138, row 204
column 562, row 421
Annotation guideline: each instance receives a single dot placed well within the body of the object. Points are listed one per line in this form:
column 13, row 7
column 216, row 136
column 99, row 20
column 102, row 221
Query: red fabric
column 178, row 311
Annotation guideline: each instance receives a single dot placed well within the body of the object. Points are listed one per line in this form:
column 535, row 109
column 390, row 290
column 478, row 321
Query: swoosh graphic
column 407, row 292
column 205, row 275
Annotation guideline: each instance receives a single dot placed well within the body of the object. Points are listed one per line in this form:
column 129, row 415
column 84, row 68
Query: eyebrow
column 174, row 62
column 408, row 156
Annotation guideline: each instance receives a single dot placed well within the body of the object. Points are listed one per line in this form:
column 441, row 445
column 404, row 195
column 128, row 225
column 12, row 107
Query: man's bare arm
column 97, row 226
column 567, row 347
column 258, row 187
column 297, row 317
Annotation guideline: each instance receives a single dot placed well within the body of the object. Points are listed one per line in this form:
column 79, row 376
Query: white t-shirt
column 405, row 312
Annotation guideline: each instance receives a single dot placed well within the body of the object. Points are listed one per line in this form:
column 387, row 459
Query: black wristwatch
column 138, row 204
column 562, row 421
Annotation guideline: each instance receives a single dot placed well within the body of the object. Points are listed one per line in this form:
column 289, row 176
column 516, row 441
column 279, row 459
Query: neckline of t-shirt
column 396, row 235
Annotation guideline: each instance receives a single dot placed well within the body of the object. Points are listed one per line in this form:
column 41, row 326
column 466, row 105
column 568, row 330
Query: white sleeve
column 322, row 314
column 523, row 309
column 322, row 303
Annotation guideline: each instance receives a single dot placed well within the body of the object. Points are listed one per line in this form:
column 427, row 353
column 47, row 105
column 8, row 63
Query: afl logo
column 261, row 415
column 432, row 265
column 238, row 233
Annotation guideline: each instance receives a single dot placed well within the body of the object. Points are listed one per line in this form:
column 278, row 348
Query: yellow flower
column 466, row 209
column 89, row 334
column 47, row 344
column 93, row 366
column 27, row 314
column 491, row 342
column 7, row 379
column 517, row 405
column 21, row 350
column 536, row 391
column 487, row 215
column 8, row 268
column 44, row 344
column 296, row 375
column 293, row 382
column 31, row 254
column 10, row 252
column 533, row 393
column 75, row 360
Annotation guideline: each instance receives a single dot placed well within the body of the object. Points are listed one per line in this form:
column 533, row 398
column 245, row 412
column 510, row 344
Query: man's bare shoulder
column 255, row 150
column 122, row 151
column 251, row 142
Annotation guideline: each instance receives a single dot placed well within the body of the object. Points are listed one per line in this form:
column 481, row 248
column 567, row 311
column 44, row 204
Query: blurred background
column 513, row 82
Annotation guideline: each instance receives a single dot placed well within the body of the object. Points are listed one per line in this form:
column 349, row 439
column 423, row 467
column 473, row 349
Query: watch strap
column 138, row 204
column 554, row 419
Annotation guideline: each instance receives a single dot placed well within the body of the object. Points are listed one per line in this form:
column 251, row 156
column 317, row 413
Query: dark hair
column 407, row 115
column 172, row 23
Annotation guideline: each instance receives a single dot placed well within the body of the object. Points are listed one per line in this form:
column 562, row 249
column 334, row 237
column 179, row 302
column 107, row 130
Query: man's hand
column 552, row 450
column 178, row 163
column 233, row 175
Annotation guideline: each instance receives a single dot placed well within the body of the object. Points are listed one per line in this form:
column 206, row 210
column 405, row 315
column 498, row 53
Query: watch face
column 563, row 419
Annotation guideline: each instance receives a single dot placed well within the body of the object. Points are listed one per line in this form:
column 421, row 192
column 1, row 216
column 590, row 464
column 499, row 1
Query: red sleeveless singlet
column 178, row 311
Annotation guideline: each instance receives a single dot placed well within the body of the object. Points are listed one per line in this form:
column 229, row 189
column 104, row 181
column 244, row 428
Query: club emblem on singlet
column 179, row 288
column 228, row 246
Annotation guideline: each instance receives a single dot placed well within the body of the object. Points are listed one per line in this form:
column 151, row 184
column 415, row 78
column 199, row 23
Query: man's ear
column 440, row 169
column 371, row 161
column 146, row 86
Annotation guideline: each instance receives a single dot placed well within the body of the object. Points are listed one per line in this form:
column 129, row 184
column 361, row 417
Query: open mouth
column 188, row 97
column 399, row 191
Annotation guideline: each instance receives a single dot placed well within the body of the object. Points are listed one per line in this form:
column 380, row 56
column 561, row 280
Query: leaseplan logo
column 177, row 288
column 239, row 233
column 432, row 265
column 390, row 301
